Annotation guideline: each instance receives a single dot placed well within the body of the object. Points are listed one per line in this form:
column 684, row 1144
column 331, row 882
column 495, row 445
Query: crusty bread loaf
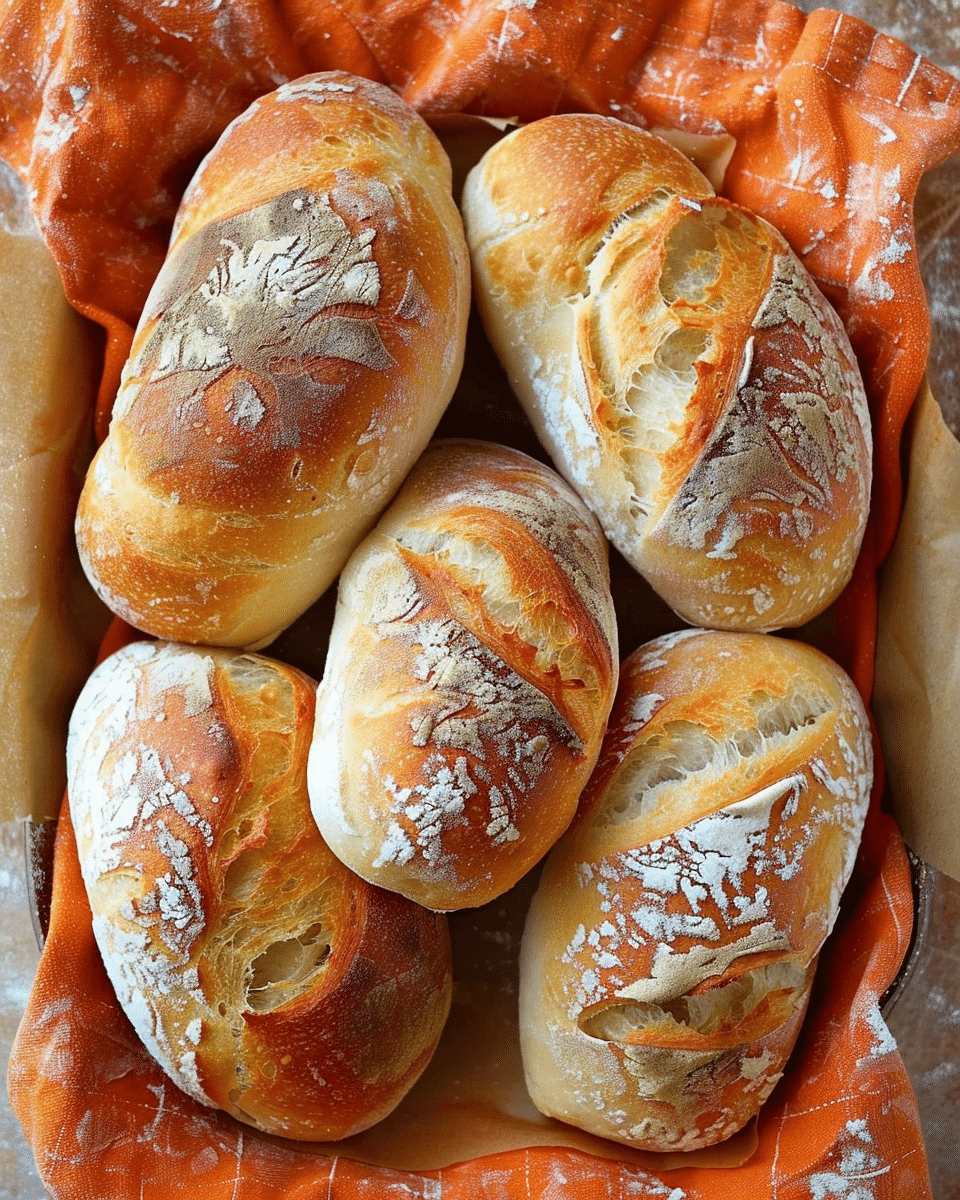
column 297, row 350
column 680, row 366
column 472, row 665
column 263, row 976
column 669, row 950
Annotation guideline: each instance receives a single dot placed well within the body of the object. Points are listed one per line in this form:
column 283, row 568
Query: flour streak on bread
column 263, row 976
column 670, row 949
column 680, row 366
column 471, row 668
column 295, row 354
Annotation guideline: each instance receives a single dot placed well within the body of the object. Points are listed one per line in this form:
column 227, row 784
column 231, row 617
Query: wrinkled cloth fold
column 107, row 111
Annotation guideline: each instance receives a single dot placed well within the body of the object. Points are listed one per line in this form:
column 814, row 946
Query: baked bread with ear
column 263, row 976
column 680, row 366
column 670, row 948
column 299, row 346
column 472, row 664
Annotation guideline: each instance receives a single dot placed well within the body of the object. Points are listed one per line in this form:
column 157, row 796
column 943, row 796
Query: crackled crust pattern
column 470, row 670
column 680, row 366
column 263, row 976
column 670, row 949
column 299, row 345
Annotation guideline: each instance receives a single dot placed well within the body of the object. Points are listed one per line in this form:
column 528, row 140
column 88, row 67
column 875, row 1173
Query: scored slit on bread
column 679, row 365
column 471, row 667
column 670, row 948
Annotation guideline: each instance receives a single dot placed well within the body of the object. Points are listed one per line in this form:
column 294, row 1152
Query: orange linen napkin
column 107, row 110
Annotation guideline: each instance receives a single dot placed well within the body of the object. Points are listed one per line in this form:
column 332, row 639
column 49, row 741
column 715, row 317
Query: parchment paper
column 917, row 692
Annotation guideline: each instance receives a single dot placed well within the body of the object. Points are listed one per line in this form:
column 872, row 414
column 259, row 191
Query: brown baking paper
column 830, row 127
column 916, row 697
column 49, row 361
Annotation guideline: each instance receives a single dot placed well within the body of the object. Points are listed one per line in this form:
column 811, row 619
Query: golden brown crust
column 263, row 976
column 669, row 951
column 472, row 665
column 680, row 366
column 299, row 346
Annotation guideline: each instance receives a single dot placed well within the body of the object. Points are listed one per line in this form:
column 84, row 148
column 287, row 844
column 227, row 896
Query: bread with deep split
column 669, row 950
column 472, row 665
column 302, row 340
column 679, row 364
column 264, row 977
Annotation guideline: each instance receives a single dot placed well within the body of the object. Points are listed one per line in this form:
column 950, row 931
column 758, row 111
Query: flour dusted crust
column 669, row 951
column 472, row 666
column 679, row 364
column 264, row 977
column 296, row 352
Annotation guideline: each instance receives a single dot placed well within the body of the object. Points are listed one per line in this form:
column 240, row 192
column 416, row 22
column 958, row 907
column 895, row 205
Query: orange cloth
column 107, row 110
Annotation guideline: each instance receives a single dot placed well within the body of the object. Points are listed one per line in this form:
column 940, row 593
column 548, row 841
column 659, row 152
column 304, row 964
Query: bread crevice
column 287, row 968
column 717, row 1009
column 685, row 751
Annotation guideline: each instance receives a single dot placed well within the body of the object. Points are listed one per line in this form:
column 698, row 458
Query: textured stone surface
column 925, row 1021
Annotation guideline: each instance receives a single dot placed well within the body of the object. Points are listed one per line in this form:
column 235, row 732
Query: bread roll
column 264, row 977
column 680, row 366
column 472, row 665
column 298, row 348
column 669, row 950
